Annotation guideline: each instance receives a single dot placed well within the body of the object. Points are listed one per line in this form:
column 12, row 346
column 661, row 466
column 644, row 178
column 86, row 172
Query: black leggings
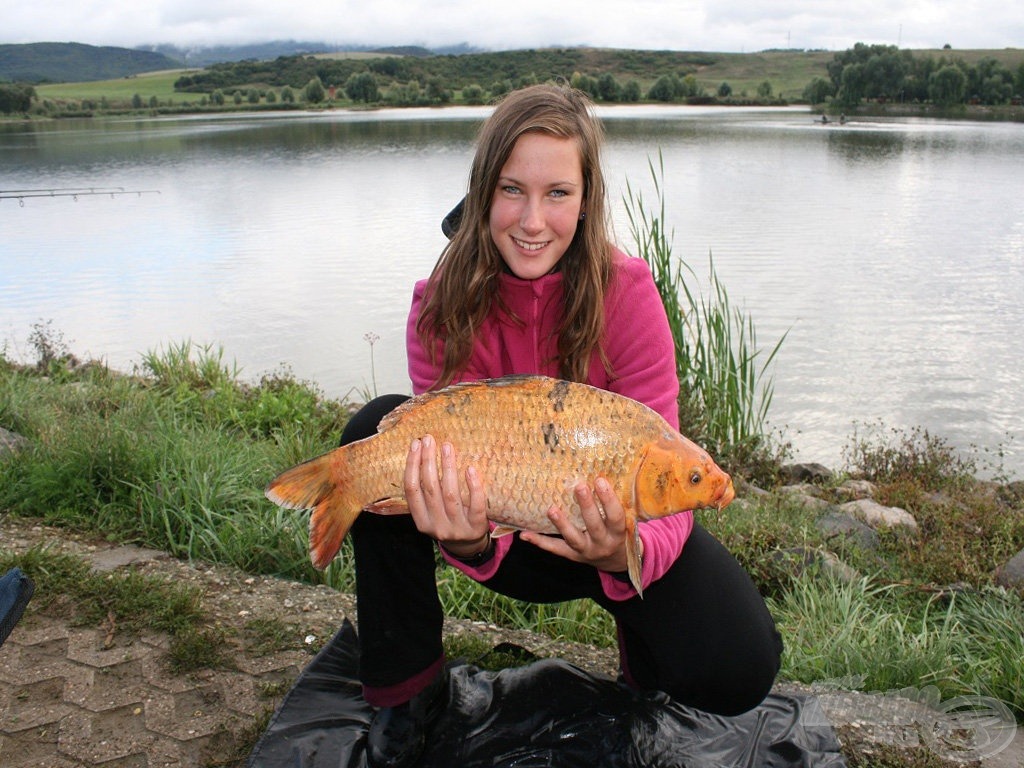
column 701, row 633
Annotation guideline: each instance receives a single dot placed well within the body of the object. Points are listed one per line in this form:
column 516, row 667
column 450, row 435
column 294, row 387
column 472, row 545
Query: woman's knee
column 364, row 422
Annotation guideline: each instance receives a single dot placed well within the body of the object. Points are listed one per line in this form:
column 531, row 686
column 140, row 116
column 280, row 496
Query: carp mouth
column 726, row 496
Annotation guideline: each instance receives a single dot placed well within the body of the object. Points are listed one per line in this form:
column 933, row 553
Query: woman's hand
column 440, row 506
column 602, row 544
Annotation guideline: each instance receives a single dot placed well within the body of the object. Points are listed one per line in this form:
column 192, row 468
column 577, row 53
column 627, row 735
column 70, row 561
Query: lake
column 891, row 252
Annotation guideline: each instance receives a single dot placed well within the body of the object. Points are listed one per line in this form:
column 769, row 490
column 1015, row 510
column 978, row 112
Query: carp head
column 676, row 474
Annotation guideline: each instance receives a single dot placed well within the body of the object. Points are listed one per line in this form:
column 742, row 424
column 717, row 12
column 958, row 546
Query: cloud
column 723, row 25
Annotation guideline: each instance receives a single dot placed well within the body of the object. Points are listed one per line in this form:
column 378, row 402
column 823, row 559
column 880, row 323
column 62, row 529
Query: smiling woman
column 538, row 204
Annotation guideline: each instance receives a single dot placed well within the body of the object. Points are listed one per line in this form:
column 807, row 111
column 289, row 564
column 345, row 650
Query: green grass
column 149, row 84
column 789, row 72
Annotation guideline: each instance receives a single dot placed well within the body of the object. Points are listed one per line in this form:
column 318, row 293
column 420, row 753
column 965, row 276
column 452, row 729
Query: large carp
column 532, row 439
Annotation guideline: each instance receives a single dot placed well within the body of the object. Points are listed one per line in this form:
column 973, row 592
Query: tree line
column 472, row 78
column 884, row 73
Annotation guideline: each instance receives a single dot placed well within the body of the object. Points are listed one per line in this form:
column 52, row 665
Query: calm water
column 891, row 252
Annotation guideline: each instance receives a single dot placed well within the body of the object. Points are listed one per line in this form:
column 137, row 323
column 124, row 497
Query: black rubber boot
column 397, row 735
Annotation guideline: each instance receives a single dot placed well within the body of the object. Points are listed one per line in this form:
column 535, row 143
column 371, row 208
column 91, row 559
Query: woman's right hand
column 442, row 508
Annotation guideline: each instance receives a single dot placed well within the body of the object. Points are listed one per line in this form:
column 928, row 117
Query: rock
column 106, row 560
column 803, row 559
column 852, row 490
column 878, row 516
column 11, row 442
column 802, row 489
column 807, row 472
column 837, row 524
column 1011, row 573
column 805, row 495
column 747, row 489
column 1012, row 493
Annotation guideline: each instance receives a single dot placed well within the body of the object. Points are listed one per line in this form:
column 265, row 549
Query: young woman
column 530, row 282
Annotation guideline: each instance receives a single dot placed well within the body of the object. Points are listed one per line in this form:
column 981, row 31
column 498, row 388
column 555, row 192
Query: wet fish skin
column 532, row 439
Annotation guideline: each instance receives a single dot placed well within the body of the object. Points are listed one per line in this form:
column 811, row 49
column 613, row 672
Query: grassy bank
column 176, row 455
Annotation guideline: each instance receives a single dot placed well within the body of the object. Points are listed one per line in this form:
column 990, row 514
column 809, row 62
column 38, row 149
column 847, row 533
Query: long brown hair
column 464, row 283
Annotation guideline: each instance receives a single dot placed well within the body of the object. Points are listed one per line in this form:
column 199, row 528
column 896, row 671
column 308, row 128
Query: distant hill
column 76, row 62
column 204, row 56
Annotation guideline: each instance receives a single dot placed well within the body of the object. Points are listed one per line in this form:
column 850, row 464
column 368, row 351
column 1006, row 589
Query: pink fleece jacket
column 638, row 344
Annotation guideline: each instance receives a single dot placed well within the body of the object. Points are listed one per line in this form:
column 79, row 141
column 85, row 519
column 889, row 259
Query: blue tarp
column 15, row 591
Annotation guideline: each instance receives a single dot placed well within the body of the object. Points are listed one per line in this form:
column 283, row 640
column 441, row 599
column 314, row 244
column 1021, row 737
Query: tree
column 631, row 92
column 253, row 96
column 287, row 95
column 584, row 83
column 362, row 86
column 473, row 94
column 16, row 97
column 851, row 90
column 664, row 89
column 947, row 86
column 724, row 91
column 608, row 88
column 436, row 91
column 314, row 91
column 500, row 88
column 764, row 90
column 818, row 91
column 688, row 87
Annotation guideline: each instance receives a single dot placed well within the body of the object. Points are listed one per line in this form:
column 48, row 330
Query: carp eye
column 695, row 477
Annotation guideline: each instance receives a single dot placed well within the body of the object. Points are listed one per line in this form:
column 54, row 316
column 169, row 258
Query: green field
column 159, row 84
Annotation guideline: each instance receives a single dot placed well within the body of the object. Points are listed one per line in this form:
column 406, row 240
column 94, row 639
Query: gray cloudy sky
column 710, row 25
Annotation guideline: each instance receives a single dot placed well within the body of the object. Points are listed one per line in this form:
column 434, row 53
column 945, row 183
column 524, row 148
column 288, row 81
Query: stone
column 803, row 559
column 851, row 490
column 837, row 524
column 878, row 516
column 11, row 442
column 1011, row 573
column 806, row 472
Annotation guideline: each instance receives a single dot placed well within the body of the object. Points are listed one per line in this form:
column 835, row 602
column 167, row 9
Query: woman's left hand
column 602, row 544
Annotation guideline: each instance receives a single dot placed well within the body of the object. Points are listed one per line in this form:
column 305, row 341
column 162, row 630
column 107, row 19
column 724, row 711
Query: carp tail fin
column 313, row 485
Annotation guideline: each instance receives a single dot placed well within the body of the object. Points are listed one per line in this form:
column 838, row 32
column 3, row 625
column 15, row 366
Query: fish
column 532, row 439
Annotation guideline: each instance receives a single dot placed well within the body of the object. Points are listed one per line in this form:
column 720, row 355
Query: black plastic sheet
column 546, row 714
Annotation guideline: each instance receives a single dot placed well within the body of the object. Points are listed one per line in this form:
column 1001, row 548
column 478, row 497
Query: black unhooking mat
column 548, row 713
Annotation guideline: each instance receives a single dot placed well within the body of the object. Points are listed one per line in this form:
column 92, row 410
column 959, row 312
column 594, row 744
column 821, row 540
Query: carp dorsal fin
column 462, row 388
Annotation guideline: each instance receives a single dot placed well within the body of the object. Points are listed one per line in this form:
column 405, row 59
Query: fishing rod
column 73, row 192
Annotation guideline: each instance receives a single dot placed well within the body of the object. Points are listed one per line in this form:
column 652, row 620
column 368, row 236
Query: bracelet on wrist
column 479, row 557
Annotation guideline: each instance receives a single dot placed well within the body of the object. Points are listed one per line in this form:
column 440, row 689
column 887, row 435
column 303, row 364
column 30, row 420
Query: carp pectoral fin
column 634, row 563
column 502, row 530
column 389, row 506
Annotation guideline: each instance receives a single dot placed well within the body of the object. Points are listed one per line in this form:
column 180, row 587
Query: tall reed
column 725, row 388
